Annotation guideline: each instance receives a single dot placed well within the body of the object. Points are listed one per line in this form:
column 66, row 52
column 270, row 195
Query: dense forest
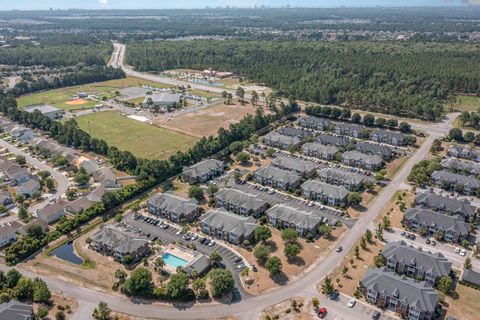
column 56, row 55
column 409, row 80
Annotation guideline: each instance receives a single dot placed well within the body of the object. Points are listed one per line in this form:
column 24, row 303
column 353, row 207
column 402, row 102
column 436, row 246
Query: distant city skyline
column 160, row 4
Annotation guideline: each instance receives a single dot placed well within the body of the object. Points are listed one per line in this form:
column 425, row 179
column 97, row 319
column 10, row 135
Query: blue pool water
column 66, row 252
column 173, row 261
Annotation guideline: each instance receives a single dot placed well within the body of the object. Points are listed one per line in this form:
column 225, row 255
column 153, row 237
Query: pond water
column 66, row 252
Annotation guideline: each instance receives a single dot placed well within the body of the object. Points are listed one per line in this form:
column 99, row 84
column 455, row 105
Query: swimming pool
column 173, row 261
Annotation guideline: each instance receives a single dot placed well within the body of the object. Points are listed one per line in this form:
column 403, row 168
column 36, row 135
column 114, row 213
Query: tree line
column 149, row 172
column 408, row 79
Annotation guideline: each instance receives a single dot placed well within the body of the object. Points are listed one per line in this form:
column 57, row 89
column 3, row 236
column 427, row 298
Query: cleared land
column 207, row 121
column 142, row 139
column 465, row 306
column 60, row 97
column 467, row 103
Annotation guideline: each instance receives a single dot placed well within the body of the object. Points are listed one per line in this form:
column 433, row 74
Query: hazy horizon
column 184, row 4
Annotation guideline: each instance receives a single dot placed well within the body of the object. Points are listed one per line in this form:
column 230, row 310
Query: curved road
column 251, row 308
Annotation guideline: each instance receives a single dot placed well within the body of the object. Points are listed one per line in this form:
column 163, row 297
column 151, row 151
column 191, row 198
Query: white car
column 463, row 252
column 178, row 232
column 457, row 250
column 351, row 303
column 211, row 243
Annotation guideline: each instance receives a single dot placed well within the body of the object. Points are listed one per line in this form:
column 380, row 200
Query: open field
column 58, row 97
column 141, row 139
column 207, row 121
column 467, row 103
column 465, row 306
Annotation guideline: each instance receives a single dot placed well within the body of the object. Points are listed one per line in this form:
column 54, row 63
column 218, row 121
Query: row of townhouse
column 282, row 216
column 281, row 141
column 295, row 132
column 315, row 123
column 239, row 202
column 331, row 140
column 463, row 151
column 454, row 228
column 318, row 150
column 173, row 208
column 324, row 192
column 415, row 263
column 456, row 182
column 374, row 149
column 296, row 165
column 411, row 299
column 389, row 137
column 277, row 178
column 365, row 161
column 349, row 130
column 446, row 205
column 342, row 177
column 203, row 171
column 461, row 166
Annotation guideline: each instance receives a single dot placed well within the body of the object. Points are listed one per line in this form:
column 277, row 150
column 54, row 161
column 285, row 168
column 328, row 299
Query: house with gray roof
column 349, row 129
column 453, row 228
column 282, row 216
column 386, row 136
column 374, row 149
column 6, row 199
column 295, row 132
column 120, row 240
column 281, row 141
column 415, row 262
column 203, row 171
column 173, row 208
column 107, row 177
column 318, row 150
column 15, row 172
column 28, row 188
column 164, row 99
column 7, row 235
column 342, row 177
column 446, row 205
column 26, row 135
column 79, row 205
column 414, row 300
column 47, row 110
column 277, row 178
column 461, row 166
column 462, row 151
column 15, row 310
column 324, row 192
column 240, row 202
column 228, row 226
column 315, row 123
column 359, row 159
column 471, row 278
column 52, row 212
column 199, row 265
column 23, row 229
column 296, row 165
column 331, row 140
column 456, row 182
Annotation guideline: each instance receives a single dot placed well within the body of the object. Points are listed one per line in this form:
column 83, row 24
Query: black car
column 376, row 315
column 334, row 295
column 237, row 259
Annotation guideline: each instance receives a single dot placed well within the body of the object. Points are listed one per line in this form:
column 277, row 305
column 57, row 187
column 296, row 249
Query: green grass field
column 467, row 103
column 142, row 139
column 58, row 97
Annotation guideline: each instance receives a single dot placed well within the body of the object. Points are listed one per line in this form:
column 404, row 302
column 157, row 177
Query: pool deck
column 181, row 253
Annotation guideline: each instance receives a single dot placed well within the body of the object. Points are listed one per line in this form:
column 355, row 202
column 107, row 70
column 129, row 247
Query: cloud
column 103, row 2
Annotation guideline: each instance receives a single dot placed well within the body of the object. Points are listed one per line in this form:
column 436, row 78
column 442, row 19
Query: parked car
column 334, row 295
column 463, row 252
column 376, row 315
column 322, row 313
column 212, row 243
column 402, row 233
column 351, row 303
column 237, row 259
column 427, row 241
column 457, row 250
column 241, row 266
column 434, row 242
column 339, row 249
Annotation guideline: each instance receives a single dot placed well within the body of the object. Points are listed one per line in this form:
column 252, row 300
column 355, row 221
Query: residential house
column 78, row 205
column 456, row 182
column 15, row 310
column 278, row 140
column 462, row 151
column 389, row 137
column 358, row 159
column 173, row 208
column 295, row 132
column 203, row 171
column 119, row 241
column 421, row 220
column 90, row 166
column 282, row 216
column 6, row 199
column 240, row 202
column 446, row 205
column 228, row 226
column 324, row 192
column 23, row 229
column 315, row 123
column 374, row 149
column 7, row 235
column 16, row 173
column 28, row 188
column 52, row 212
column 349, row 129
column 331, row 140
column 415, row 262
column 97, row 194
column 318, row 150
column 296, row 165
column 461, row 166
column 25, row 135
column 107, row 178
column 343, row 177
column 471, row 278
column 277, row 178
column 413, row 300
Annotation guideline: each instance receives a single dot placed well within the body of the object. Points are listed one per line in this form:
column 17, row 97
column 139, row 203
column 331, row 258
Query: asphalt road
column 62, row 180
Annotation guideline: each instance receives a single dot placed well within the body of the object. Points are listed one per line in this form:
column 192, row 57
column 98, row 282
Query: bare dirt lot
column 76, row 102
column 287, row 309
column 207, row 121
column 465, row 306
column 261, row 282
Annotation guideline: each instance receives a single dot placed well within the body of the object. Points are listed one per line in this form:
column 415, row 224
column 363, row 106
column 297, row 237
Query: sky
column 158, row 4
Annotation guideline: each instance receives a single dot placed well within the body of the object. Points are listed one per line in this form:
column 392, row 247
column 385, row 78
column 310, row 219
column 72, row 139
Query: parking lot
column 173, row 234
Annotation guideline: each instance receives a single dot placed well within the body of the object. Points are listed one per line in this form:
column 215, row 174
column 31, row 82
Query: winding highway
column 250, row 308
